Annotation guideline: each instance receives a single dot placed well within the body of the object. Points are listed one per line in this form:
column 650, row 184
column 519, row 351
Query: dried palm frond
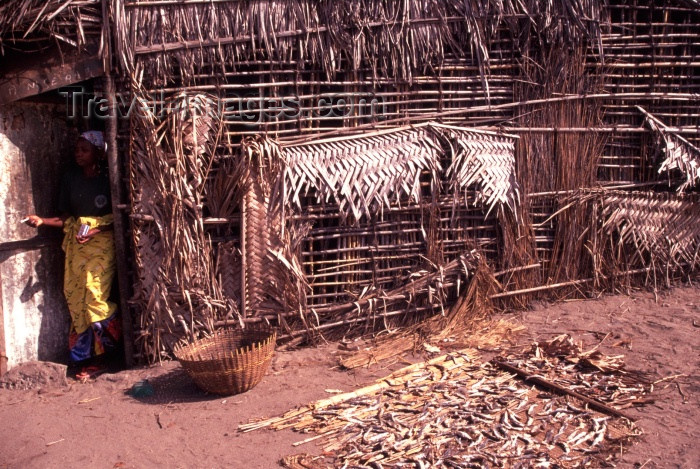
column 274, row 282
column 24, row 22
column 391, row 39
column 679, row 153
column 225, row 190
column 228, row 262
column 425, row 289
column 557, row 25
column 663, row 229
column 177, row 280
column 364, row 173
column 483, row 159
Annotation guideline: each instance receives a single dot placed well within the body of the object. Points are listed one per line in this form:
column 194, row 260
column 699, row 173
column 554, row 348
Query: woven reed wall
column 653, row 50
column 571, row 99
column 340, row 261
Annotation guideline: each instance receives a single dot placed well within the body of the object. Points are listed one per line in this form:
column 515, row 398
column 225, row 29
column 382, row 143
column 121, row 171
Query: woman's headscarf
column 96, row 138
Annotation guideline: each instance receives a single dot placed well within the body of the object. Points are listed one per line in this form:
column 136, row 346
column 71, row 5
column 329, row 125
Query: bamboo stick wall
column 566, row 82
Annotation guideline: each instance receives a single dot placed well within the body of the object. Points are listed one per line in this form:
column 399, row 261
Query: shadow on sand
column 173, row 387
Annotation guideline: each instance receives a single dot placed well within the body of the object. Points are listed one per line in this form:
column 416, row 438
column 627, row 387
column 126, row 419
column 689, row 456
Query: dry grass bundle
column 177, row 279
column 473, row 306
column 557, row 162
column 422, row 292
column 477, row 333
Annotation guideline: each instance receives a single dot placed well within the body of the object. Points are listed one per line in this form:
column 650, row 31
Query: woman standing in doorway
column 86, row 218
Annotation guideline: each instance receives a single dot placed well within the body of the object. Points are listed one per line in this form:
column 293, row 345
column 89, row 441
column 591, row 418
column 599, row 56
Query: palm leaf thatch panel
column 679, row 153
column 30, row 25
column 176, row 276
column 395, row 39
column 359, row 177
column 364, row 173
column 485, row 160
column 272, row 277
column 663, row 230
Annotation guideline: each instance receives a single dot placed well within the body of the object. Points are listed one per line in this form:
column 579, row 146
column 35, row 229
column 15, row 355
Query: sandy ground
column 99, row 424
column 657, row 334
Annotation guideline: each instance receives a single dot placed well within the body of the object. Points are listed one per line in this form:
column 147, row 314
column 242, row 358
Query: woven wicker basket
column 230, row 361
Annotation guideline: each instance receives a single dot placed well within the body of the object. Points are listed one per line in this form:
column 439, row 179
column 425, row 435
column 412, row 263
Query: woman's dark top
column 82, row 196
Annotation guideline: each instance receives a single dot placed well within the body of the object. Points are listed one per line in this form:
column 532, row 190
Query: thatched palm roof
column 394, row 39
column 34, row 25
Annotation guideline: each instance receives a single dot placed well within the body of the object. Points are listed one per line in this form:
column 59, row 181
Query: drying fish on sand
column 455, row 411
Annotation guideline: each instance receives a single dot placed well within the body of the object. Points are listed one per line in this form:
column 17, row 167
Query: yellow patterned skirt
column 89, row 272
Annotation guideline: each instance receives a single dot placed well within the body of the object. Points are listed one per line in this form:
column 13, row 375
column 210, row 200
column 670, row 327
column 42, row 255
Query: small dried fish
column 426, row 419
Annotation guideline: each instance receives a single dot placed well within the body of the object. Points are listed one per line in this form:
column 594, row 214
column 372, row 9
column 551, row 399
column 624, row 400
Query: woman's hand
column 88, row 236
column 36, row 221
column 33, row 220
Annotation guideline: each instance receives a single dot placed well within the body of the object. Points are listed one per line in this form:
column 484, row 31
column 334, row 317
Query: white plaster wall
column 34, row 142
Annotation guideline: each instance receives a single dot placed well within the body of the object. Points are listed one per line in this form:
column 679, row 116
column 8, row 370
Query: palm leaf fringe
column 662, row 229
column 364, row 173
column 485, row 160
column 393, row 39
column 679, row 153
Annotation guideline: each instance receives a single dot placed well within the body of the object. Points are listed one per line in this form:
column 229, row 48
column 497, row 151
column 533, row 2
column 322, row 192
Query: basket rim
column 186, row 347
column 229, row 369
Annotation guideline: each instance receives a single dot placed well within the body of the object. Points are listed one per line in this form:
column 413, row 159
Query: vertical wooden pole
column 116, row 188
column 119, row 231
column 244, row 260
column 3, row 350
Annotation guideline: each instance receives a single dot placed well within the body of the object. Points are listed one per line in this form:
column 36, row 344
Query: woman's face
column 84, row 153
